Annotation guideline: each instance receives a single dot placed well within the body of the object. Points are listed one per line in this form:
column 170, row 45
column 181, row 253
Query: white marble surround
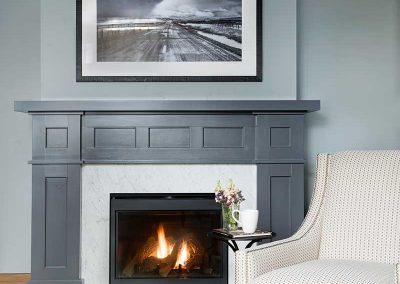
column 98, row 181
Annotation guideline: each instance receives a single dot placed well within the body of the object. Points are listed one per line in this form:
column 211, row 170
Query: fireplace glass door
column 167, row 240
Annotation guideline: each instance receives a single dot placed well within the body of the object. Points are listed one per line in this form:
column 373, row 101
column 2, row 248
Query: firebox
column 163, row 238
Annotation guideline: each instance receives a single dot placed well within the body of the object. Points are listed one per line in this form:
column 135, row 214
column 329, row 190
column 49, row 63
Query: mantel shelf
column 169, row 106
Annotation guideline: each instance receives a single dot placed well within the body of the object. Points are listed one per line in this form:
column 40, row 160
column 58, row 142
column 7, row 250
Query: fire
column 164, row 248
column 183, row 256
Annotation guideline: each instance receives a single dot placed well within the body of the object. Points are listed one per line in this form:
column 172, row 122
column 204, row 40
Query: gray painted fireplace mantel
column 67, row 134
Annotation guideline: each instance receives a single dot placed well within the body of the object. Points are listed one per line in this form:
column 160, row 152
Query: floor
column 14, row 278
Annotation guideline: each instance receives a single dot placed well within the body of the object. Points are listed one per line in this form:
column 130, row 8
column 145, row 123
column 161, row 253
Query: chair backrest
column 361, row 210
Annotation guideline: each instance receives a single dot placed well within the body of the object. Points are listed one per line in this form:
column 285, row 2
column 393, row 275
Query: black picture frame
column 257, row 78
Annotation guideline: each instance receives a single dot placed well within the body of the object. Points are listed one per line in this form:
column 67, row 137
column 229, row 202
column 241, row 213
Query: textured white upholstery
column 331, row 271
column 362, row 208
column 354, row 215
column 302, row 246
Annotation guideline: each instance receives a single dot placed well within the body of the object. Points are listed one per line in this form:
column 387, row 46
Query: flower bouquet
column 230, row 199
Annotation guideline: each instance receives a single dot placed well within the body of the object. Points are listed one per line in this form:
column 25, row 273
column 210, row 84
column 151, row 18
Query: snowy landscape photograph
column 169, row 31
column 169, row 41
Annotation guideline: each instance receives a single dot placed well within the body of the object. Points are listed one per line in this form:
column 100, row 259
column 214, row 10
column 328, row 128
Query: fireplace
column 71, row 192
column 162, row 238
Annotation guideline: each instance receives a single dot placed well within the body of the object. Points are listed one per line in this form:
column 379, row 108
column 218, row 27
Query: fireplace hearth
column 158, row 238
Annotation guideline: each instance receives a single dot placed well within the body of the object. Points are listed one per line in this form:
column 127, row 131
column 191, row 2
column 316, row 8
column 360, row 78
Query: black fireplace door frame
column 158, row 201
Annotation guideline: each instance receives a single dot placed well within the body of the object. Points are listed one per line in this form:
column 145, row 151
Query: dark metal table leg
column 234, row 246
column 251, row 243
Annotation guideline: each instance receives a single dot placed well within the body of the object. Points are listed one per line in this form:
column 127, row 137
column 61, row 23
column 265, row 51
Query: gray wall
column 349, row 58
column 19, row 80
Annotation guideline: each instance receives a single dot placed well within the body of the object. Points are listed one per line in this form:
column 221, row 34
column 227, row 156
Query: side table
column 231, row 241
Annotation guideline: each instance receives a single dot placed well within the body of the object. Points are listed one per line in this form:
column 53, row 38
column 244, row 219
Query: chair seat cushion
column 331, row 271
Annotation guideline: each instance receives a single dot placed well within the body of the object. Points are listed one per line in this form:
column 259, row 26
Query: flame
column 164, row 248
column 183, row 256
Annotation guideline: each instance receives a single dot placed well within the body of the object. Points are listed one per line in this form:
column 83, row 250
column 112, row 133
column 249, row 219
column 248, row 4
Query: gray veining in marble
column 98, row 181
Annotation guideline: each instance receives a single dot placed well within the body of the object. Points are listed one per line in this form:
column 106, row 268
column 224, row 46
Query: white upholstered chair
column 351, row 233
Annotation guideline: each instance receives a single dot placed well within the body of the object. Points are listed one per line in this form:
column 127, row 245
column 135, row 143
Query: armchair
column 351, row 233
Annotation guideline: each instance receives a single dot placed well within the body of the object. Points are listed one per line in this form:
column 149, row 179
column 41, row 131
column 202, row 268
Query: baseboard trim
column 14, row 278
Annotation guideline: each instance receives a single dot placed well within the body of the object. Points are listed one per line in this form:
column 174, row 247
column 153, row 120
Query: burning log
column 195, row 252
column 163, row 254
column 146, row 250
column 193, row 262
column 150, row 264
column 168, row 263
column 164, row 265
column 145, row 258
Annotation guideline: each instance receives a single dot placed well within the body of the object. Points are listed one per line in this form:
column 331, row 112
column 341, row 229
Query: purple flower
column 229, row 196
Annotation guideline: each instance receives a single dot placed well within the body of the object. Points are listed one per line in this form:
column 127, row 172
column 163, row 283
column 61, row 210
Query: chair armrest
column 302, row 246
column 254, row 262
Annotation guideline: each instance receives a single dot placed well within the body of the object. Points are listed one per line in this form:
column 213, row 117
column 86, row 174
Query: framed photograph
column 169, row 40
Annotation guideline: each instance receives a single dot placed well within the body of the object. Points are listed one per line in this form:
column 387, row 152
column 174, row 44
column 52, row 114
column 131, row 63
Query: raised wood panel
column 170, row 138
column 223, row 137
column 280, row 197
column 280, row 191
column 166, row 120
column 56, row 221
column 114, row 137
column 57, row 137
column 279, row 137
